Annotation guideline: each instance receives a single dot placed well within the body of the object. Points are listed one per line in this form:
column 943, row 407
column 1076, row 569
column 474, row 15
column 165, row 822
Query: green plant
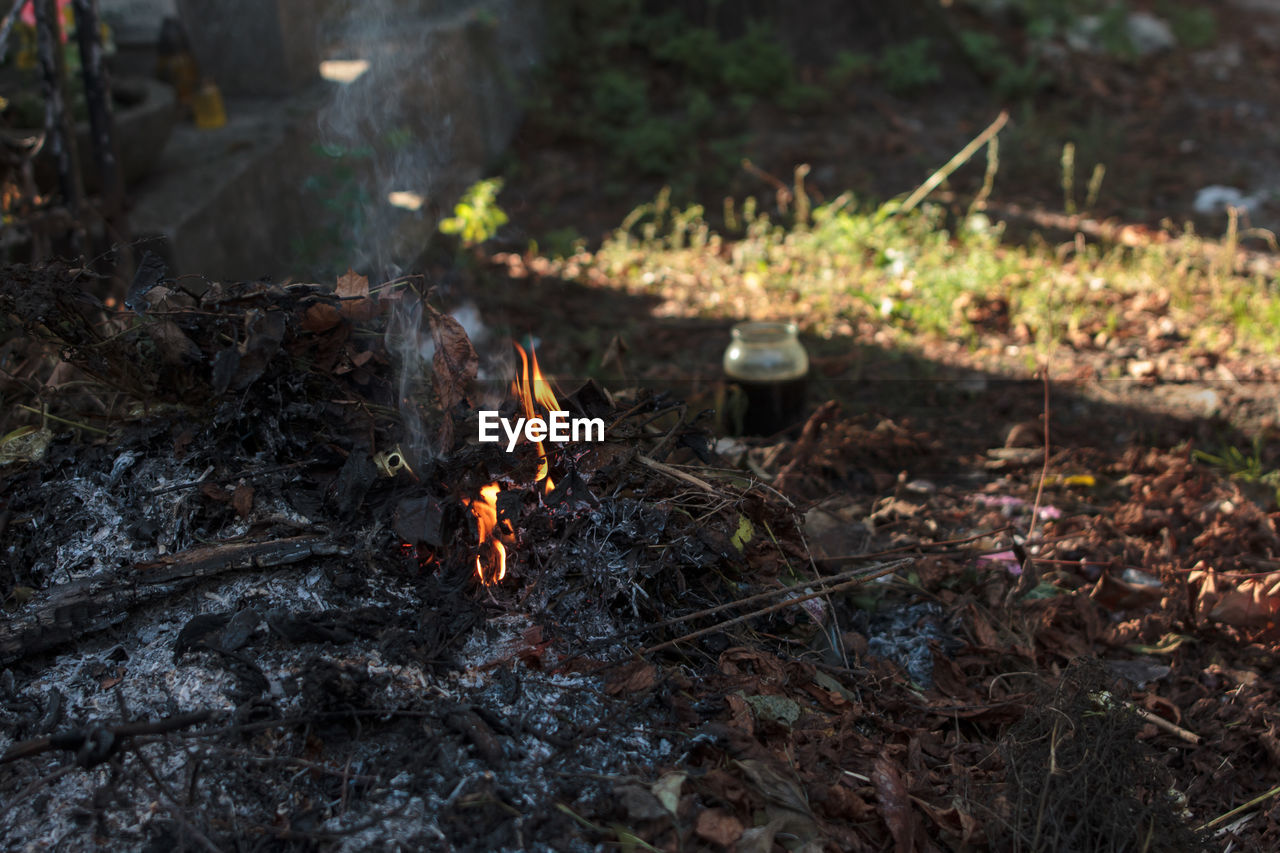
column 342, row 201
column 1194, row 26
column 848, row 66
column 1246, row 466
column 649, row 88
column 907, row 67
column 477, row 216
column 1008, row 77
column 1113, row 31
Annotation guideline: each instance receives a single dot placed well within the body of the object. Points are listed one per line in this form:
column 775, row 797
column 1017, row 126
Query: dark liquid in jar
column 772, row 406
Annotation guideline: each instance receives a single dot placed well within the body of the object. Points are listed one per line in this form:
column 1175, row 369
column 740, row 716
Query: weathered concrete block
column 254, row 47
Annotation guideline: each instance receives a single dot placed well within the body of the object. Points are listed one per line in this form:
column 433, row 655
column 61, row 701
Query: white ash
column 902, row 633
column 133, row 676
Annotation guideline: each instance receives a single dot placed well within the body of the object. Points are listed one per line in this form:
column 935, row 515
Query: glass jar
column 770, row 365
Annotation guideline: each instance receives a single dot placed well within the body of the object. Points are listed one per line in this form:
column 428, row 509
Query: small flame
column 485, row 509
column 538, row 389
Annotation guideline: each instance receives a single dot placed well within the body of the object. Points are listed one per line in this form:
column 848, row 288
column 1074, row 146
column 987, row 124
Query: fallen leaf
column 173, row 344
column 455, row 362
column 1252, row 604
column 740, row 716
column 718, row 827
column 214, row 492
column 759, row 839
column 353, row 290
column 895, row 804
column 776, row 708
column 242, row 500
column 633, row 678
column 667, row 790
column 320, row 317
column 639, row 803
column 775, row 787
column 743, row 534
column 953, row 821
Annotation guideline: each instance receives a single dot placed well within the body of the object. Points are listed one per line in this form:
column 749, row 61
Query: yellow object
column 1086, row 480
column 208, row 107
column 26, row 58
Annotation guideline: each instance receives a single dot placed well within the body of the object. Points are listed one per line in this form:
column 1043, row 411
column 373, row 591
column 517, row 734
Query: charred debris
column 266, row 590
column 245, row 552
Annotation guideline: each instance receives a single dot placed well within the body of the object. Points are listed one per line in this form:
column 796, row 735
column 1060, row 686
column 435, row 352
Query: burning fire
column 529, row 389
column 539, row 389
column 485, row 509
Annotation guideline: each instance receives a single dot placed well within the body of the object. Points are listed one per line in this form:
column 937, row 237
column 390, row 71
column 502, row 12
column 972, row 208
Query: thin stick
column 849, row 584
column 1239, row 809
column 954, row 163
column 676, row 473
column 876, row 555
column 826, row 584
column 1044, row 468
column 75, row 424
column 1161, row 723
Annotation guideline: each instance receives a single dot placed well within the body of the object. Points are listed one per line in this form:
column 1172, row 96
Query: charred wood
column 76, row 609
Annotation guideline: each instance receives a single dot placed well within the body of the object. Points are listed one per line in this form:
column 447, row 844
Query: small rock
column 1220, row 61
column 1150, row 34
column 1216, row 199
column 1143, row 369
column 1147, row 35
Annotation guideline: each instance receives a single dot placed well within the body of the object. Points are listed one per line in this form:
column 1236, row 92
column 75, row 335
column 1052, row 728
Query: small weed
column 650, row 88
column 907, row 68
column 560, row 243
column 849, row 66
column 853, row 265
column 342, row 201
column 1246, row 466
column 1009, row 78
column 1195, row 26
column 476, row 216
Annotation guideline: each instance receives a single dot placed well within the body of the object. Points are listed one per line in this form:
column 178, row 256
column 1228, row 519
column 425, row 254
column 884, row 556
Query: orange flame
column 485, row 509
column 539, row 389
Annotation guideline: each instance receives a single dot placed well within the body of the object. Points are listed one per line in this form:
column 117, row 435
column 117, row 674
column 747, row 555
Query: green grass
column 849, row 264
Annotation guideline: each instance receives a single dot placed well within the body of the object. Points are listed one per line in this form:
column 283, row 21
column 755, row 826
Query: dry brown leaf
column 742, row 661
column 214, row 492
column 353, row 290
column 320, row 317
column 775, row 787
column 633, row 678
column 1252, row 604
column 953, row 821
column 174, row 346
column 455, row 362
column 740, row 716
column 242, row 500
column 895, row 804
column 718, row 827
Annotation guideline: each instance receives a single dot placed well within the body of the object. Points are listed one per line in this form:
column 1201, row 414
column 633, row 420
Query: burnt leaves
column 453, row 366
